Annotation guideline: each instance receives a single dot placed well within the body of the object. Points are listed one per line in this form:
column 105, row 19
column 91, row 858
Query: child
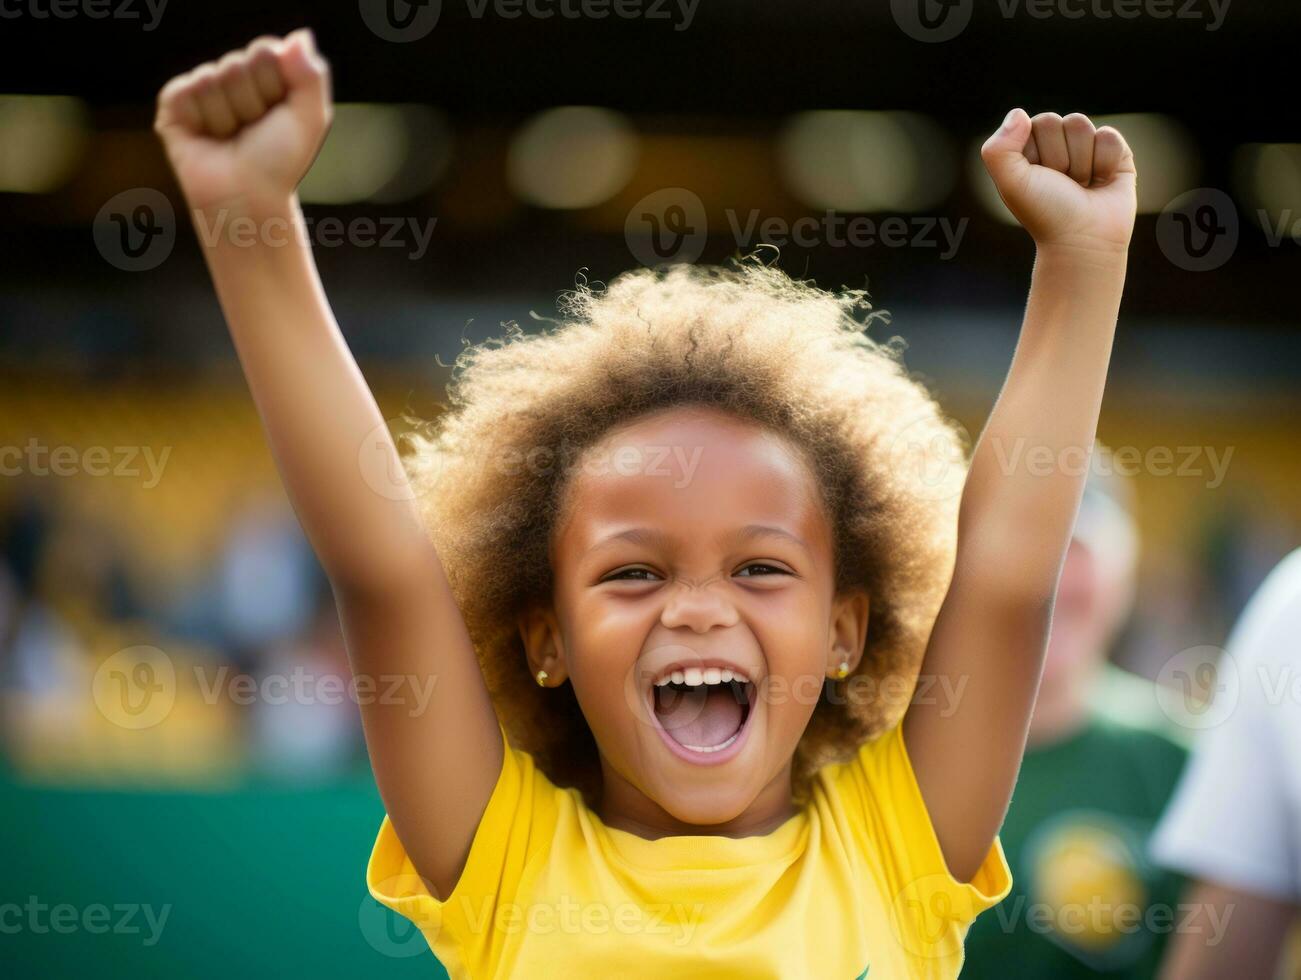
column 682, row 544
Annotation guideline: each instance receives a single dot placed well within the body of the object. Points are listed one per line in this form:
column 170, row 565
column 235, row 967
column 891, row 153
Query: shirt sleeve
column 511, row 833
column 1231, row 821
column 930, row 909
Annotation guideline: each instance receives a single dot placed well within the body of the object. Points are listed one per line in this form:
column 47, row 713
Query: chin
column 706, row 806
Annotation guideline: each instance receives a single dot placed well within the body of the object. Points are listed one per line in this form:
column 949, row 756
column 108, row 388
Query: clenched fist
column 242, row 132
column 1068, row 183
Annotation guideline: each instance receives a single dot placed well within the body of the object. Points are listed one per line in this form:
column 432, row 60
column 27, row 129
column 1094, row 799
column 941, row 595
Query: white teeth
column 696, row 676
column 711, row 748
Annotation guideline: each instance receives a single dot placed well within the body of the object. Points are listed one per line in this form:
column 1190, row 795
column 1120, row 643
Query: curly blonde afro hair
column 746, row 339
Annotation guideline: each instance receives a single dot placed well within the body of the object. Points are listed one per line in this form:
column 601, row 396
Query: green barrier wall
column 262, row 881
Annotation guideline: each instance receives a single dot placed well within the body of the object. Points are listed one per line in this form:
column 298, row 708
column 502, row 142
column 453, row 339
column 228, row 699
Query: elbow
column 374, row 579
column 1016, row 579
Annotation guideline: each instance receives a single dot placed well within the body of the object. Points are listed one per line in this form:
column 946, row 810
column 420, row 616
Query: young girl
column 673, row 567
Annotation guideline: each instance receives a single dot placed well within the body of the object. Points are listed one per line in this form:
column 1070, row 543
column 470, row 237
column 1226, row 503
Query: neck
column 625, row 807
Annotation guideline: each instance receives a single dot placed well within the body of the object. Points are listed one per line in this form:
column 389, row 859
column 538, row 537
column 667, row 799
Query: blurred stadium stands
column 496, row 200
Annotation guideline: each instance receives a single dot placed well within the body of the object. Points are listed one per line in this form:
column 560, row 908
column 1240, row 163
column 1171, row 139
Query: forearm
column 1232, row 933
column 1014, row 525
column 1029, row 467
column 324, row 428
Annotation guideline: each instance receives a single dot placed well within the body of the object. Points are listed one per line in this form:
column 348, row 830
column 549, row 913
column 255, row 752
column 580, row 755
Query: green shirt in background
column 1085, row 901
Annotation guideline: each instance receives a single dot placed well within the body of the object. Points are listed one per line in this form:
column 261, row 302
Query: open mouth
column 704, row 711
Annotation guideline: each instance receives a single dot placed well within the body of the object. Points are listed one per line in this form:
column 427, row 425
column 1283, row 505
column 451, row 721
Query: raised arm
column 240, row 134
column 1072, row 188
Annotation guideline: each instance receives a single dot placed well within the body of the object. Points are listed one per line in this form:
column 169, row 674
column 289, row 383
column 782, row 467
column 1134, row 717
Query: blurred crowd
column 206, row 581
column 251, row 644
column 175, row 629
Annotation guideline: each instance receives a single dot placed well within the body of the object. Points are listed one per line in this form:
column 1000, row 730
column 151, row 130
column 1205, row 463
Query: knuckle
column 166, row 94
column 231, row 66
column 262, row 59
column 203, row 77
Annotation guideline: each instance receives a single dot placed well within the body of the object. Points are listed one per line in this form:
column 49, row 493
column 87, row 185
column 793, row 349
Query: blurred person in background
column 1090, row 789
column 1234, row 826
column 267, row 579
column 48, row 571
column 23, row 531
column 308, row 728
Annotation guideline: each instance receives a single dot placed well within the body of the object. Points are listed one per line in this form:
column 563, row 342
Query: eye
column 631, row 575
column 762, row 568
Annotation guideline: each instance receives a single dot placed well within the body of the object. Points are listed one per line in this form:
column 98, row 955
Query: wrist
column 251, row 222
column 1084, row 272
column 1107, row 258
column 1082, row 285
column 258, row 203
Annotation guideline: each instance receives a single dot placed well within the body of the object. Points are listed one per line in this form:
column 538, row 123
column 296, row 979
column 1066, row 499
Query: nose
column 699, row 608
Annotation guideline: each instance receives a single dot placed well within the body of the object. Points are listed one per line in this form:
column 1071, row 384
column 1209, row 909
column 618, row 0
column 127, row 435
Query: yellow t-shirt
column 853, row 886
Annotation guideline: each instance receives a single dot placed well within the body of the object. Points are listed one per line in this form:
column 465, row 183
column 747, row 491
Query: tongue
column 702, row 716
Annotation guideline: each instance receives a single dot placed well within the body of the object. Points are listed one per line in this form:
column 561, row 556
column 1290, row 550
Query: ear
column 543, row 644
column 849, row 615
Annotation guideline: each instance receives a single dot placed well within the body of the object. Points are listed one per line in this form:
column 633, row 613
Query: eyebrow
column 650, row 536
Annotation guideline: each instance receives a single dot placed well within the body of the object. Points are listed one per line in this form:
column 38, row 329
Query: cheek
column 1076, row 605
column 793, row 612
column 792, row 628
column 1071, row 641
column 606, row 635
column 604, row 641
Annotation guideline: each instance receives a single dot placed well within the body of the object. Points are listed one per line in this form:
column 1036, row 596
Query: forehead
column 694, row 473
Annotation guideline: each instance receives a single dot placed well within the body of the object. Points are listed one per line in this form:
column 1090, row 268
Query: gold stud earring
column 843, row 670
column 542, row 678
